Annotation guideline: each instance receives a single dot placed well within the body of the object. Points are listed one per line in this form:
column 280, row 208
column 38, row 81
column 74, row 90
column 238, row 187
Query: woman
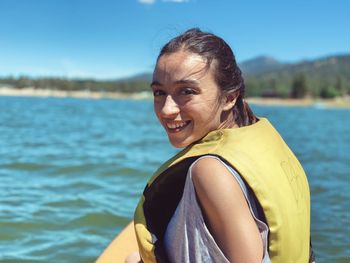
column 236, row 192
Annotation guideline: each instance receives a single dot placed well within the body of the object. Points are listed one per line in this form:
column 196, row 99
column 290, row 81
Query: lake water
column 72, row 170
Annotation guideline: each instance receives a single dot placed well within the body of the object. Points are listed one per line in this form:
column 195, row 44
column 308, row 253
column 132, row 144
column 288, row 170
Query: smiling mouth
column 176, row 126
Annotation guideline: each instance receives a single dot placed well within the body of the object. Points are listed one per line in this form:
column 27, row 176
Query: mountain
column 259, row 65
column 264, row 76
column 322, row 67
column 326, row 77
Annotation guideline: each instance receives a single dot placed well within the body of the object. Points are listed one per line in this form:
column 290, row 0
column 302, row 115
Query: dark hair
column 227, row 74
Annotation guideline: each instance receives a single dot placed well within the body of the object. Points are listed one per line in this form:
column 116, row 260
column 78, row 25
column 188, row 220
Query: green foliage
column 77, row 85
column 328, row 92
column 327, row 77
column 299, row 87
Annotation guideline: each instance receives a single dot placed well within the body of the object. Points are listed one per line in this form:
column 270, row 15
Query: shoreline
column 81, row 94
column 343, row 102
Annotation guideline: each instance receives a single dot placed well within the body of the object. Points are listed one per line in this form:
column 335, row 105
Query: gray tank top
column 187, row 238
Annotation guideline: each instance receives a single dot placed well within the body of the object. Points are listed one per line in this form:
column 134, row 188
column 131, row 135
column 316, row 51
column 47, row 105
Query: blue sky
column 108, row 39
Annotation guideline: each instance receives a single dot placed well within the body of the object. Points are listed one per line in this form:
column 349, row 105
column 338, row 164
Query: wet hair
column 227, row 74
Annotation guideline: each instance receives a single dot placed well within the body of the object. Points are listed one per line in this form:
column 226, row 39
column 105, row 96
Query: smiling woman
column 236, row 193
column 186, row 98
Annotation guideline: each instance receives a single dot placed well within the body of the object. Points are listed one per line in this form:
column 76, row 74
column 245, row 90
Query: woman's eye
column 158, row 92
column 187, row 91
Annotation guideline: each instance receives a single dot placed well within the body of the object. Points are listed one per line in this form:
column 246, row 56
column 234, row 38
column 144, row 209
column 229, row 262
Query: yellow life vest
column 259, row 154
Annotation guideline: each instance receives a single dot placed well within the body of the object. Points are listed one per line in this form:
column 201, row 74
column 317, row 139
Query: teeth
column 175, row 125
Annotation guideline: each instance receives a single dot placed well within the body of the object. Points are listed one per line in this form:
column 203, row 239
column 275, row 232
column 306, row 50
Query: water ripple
column 71, row 173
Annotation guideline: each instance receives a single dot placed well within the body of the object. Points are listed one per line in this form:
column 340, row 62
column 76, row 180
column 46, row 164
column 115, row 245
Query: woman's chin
column 179, row 143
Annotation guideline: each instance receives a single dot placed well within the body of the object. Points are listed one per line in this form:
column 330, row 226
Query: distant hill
column 329, row 75
column 138, row 77
column 326, row 66
column 264, row 76
column 260, row 65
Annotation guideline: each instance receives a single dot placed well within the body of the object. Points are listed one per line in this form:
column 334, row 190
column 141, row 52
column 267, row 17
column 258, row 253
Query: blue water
column 72, row 170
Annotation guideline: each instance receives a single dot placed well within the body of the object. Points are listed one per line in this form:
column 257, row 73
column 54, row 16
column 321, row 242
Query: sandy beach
column 343, row 102
column 83, row 94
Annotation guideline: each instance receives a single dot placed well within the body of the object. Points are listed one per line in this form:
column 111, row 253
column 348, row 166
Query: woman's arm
column 226, row 212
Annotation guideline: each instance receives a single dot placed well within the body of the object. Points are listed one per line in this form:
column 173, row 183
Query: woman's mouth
column 176, row 126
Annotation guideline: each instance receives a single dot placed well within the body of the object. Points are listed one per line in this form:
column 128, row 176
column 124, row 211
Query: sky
column 110, row 39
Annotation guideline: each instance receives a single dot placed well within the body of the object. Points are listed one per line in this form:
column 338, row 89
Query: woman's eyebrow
column 155, row 83
column 177, row 82
column 187, row 82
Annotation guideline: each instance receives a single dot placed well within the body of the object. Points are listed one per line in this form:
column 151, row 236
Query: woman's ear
column 230, row 99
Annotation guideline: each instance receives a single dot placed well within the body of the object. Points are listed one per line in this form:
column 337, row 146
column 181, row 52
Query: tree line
column 76, row 84
column 297, row 86
column 327, row 77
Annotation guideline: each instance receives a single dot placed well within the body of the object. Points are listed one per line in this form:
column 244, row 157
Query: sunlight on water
column 72, row 171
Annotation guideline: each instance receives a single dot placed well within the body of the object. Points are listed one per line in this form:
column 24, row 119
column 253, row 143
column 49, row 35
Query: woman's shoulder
column 207, row 163
column 212, row 178
column 209, row 167
column 226, row 209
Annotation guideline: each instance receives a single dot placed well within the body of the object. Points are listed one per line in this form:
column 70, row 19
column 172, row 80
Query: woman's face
column 186, row 97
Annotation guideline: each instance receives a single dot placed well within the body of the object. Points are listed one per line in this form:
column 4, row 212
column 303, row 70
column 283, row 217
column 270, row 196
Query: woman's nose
column 170, row 107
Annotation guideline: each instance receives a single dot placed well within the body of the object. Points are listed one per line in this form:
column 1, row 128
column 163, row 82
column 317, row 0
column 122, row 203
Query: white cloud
column 147, row 2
